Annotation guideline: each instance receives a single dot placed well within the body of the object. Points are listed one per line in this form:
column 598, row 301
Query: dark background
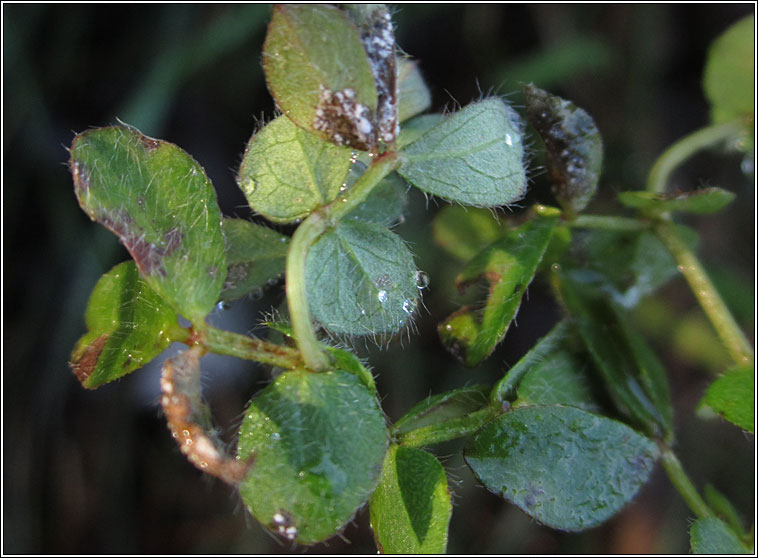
column 97, row 472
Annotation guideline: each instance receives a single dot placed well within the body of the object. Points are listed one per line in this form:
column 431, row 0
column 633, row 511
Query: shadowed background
column 97, row 472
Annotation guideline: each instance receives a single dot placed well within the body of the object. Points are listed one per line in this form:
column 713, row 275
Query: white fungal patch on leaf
column 346, row 121
column 186, row 412
column 378, row 37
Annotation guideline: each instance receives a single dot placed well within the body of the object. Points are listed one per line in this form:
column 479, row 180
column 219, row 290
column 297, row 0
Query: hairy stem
column 233, row 344
column 448, row 430
column 726, row 327
column 305, row 236
column 683, row 484
column 685, row 148
column 297, row 299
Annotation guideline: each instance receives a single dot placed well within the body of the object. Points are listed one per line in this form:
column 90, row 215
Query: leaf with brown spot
column 507, row 266
column 161, row 205
column 129, row 325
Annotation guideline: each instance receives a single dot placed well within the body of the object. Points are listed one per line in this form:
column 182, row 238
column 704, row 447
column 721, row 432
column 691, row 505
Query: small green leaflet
column 255, row 257
column 442, row 407
column 565, row 467
column 633, row 376
column 129, row 325
column 161, row 205
column 318, row 442
column 710, row 535
column 413, row 94
column 287, row 172
column 410, row 509
column 705, row 200
column 361, row 280
column 729, row 76
column 508, row 266
column 733, row 396
column 474, row 157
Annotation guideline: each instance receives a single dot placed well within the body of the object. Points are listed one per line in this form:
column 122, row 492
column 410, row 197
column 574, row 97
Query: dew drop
column 276, row 436
column 382, row 296
column 408, row 306
column 422, row 280
column 223, row 305
column 509, row 140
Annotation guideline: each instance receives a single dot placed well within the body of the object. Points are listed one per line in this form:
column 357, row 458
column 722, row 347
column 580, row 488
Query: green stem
column 305, row 236
column 609, row 222
column 683, row 484
column 233, row 344
column 684, row 148
column 726, row 327
column 449, row 430
column 297, row 298
column 357, row 194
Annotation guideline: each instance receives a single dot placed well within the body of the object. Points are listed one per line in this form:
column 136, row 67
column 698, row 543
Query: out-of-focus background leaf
column 97, row 472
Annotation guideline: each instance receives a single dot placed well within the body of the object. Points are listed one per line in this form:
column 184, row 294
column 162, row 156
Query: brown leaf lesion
column 84, row 364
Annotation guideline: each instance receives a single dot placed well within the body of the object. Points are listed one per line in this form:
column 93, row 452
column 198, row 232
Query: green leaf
column 565, row 467
column 413, row 94
column 733, row 396
column 508, row 266
column 724, row 509
column 634, row 378
column 319, row 73
column 729, row 76
column 129, row 325
column 573, row 144
column 318, row 442
column 361, row 279
column 413, row 129
column 705, row 200
column 386, row 203
column 560, row 379
column 287, row 172
column 625, row 264
column 710, row 535
column 410, row 509
column 255, row 257
column 162, row 206
column 442, row 407
column 556, row 340
column 474, row 157
column 466, row 231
